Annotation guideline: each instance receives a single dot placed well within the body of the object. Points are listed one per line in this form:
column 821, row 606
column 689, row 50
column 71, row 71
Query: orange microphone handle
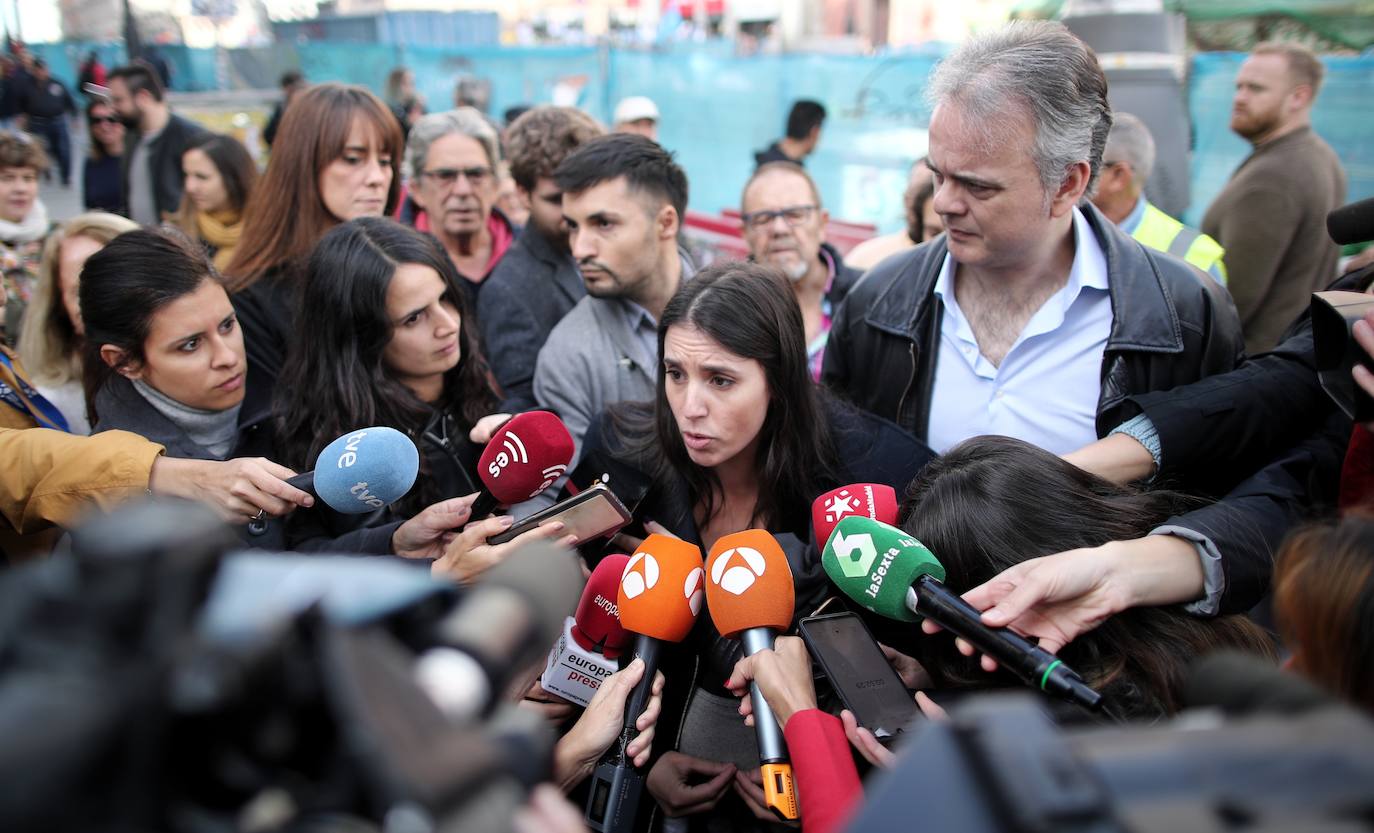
column 779, row 791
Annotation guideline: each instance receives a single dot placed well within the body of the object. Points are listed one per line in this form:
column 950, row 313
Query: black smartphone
column 859, row 673
column 591, row 513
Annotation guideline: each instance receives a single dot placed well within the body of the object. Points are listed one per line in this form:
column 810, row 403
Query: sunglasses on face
column 104, row 120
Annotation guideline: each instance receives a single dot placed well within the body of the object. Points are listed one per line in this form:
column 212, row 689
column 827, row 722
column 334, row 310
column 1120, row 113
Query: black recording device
column 859, row 673
column 1334, row 314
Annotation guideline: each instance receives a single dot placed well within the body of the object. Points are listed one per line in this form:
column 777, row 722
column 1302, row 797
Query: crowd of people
column 1107, row 424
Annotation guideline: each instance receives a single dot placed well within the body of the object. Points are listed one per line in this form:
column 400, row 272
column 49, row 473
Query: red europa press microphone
column 877, row 501
column 593, row 637
column 750, row 595
column 524, row 457
column 661, row 593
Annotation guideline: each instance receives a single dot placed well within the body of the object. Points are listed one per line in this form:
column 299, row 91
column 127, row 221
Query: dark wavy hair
column 994, row 502
column 335, row 379
column 750, row 310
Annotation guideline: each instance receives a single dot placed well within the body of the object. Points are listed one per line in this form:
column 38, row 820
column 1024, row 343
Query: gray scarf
column 215, row 431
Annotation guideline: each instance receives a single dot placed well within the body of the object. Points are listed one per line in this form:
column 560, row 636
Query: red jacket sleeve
column 828, row 785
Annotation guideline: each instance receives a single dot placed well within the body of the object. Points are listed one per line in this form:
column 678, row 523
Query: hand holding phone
column 591, row 513
column 860, row 673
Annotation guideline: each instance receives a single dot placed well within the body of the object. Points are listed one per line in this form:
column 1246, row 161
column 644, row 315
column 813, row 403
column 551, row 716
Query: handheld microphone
column 867, row 500
column 894, row 575
column 750, row 595
column 523, row 458
column 1353, row 223
column 362, row 471
column 592, row 638
column 501, row 629
column 660, row 595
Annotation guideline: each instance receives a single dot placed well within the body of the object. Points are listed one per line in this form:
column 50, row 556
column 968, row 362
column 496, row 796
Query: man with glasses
column 784, row 225
column 454, row 159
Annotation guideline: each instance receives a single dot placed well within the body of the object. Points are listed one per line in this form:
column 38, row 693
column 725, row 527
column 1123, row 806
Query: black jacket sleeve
column 1248, row 524
column 511, row 341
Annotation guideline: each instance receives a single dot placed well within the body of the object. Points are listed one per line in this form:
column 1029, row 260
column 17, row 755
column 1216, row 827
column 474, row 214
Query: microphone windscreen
column 597, row 620
column 749, row 584
column 366, row 470
column 867, row 500
column 874, row 564
column 661, row 589
column 525, row 457
column 1353, row 223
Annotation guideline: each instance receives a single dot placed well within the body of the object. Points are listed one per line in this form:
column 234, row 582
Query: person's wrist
column 1153, row 570
column 571, row 763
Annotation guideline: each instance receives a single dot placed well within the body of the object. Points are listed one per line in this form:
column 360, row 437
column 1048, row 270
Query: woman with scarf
column 219, row 177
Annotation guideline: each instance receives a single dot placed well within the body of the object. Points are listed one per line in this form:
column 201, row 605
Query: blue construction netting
column 718, row 108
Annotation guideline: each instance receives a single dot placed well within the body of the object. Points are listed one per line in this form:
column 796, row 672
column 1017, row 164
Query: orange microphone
column 661, row 593
column 749, row 592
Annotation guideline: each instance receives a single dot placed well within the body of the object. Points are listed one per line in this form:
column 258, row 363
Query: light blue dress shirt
column 1047, row 388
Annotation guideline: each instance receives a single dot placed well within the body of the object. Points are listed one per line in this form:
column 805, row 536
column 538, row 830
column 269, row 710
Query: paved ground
column 65, row 203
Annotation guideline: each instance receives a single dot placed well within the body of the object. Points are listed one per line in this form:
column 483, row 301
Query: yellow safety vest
column 1162, row 232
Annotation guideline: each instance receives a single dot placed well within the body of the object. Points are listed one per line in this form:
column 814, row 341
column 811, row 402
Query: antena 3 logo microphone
column 640, row 574
column 736, row 569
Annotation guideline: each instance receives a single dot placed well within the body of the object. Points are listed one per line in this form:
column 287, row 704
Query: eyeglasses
column 794, row 216
column 447, row 177
column 104, row 120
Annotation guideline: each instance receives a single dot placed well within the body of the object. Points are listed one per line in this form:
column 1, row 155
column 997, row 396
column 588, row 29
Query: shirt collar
column 1132, row 221
column 1089, row 268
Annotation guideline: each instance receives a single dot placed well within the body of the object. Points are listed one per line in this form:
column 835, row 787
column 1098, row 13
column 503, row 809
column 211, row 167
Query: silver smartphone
column 592, row 513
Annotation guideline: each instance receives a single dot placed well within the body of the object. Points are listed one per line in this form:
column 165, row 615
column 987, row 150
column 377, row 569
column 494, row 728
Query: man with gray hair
column 1033, row 316
column 453, row 158
column 1126, row 165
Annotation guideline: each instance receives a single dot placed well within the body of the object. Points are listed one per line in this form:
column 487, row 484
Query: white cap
column 634, row 108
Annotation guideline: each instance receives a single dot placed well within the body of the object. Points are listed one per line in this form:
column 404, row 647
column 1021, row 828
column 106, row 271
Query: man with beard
column 1271, row 216
column 153, row 144
column 623, row 202
column 537, row 282
column 455, row 179
column 784, row 225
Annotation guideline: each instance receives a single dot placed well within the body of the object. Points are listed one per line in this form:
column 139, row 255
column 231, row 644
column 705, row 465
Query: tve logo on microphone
column 736, row 570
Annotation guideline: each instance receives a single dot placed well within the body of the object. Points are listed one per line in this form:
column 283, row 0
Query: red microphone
column 592, row 637
column 523, row 458
column 868, row 500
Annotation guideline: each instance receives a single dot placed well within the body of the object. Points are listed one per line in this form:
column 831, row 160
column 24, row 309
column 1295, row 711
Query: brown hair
column 21, row 150
column 542, row 138
column 1304, row 67
column 1324, row 605
column 236, row 169
column 286, row 216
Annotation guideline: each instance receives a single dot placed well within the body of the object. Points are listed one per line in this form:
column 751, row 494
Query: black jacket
column 48, row 100
column 773, row 153
column 121, row 407
column 164, row 161
column 267, row 313
column 1268, row 437
column 529, row 291
column 870, row 450
column 846, row 277
column 1170, row 325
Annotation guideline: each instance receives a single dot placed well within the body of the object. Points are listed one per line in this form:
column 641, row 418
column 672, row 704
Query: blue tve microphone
column 363, row 471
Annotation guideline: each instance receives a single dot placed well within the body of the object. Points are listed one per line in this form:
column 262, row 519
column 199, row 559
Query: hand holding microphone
column 750, row 595
column 783, row 675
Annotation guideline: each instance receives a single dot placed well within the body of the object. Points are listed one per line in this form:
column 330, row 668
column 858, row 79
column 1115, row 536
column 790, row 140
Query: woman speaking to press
column 737, row 437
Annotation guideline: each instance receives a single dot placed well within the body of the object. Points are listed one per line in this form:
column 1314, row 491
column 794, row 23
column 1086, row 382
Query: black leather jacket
column 1171, row 325
column 164, row 161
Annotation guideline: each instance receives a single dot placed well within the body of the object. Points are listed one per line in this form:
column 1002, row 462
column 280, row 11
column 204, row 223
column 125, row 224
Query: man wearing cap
column 637, row 114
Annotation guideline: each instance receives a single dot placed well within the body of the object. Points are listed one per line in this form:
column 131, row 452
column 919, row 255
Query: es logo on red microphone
column 514, row 453
column 736, row 569
column 640, row 574
column 551, row 474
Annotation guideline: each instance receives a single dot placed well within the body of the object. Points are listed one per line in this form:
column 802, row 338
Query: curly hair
column 538, row 141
